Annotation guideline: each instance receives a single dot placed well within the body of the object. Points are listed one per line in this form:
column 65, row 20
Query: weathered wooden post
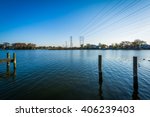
column 100, row 85
column 8, row 62
column 135, row 88
column 14, row 60
column 135, row 66
column 135, row 79
column 100, row 63
column 100, row 76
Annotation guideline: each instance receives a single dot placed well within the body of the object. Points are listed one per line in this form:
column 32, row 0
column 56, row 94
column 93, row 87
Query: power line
column 116, row 14
column 106, row 13
column 135, row 22
column 93, row 19
column 125, row 17
column 137, row 30
column 81, row 40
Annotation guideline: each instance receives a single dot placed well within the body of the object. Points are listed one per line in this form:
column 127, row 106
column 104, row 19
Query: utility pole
column 81, row 41
column 71, row 43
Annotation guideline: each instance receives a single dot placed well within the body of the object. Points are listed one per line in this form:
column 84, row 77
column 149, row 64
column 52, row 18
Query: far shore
column 75, row 49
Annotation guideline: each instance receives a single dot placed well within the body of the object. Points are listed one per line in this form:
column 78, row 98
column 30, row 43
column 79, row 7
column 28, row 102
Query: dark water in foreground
column 73, row 74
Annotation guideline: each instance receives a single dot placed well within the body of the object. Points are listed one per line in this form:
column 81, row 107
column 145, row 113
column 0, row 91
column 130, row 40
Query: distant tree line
column 136, row 44
column 18, row 46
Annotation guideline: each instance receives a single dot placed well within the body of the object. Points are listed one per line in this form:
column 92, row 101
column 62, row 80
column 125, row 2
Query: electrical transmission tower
column 71, row 43
column 81, row 41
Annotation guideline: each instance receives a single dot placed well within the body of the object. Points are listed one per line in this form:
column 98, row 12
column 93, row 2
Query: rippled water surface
column 73, row 74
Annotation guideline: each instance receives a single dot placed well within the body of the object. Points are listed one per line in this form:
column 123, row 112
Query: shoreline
column 73, row 49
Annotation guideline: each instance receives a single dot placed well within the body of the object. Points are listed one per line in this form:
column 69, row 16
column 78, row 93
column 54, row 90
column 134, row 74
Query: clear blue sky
column 52, row 22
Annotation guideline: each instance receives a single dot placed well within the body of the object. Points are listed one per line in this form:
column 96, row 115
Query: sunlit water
column 73, row 74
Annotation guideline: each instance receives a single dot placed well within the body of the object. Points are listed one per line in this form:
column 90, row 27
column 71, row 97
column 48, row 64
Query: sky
column 52, row 22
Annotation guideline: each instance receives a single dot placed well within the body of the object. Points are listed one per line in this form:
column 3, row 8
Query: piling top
column 100, row 63
column 135, row 68
column 134, row 58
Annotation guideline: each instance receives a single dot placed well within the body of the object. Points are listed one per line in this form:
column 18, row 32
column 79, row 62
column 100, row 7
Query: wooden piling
column 8, row 62
column 135, row 70
column 135, row 89
column 135, row 79
column 100, row 85
column 100, row 63
column 14, row 60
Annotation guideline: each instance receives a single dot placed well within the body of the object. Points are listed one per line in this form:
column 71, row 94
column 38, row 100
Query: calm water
column 73, row 74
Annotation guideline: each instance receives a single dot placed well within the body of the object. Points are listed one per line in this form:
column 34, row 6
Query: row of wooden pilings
column 135, row 77
column 12, row 60
column 8, row 60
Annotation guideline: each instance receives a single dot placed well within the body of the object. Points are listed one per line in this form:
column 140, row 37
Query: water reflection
column 100, row 85
column 8, row 73
column 14, row 74
column 75, row 71
column 135, row 95
column 135, row 89
column 71, row 56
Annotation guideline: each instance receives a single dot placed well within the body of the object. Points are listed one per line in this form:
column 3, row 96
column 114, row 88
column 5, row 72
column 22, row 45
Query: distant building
column 5, row 45
column 91, row 46
column 145, row 46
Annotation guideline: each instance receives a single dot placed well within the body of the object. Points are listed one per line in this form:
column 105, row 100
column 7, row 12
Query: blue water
column 73, row 74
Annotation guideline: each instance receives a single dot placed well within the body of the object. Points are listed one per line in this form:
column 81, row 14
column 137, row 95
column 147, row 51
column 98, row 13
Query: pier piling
column 14, row 60
column 100, row 63
column 135, row 88
column 135, row 79
column 8, row 62
column 135, row 70
column 100, row 76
